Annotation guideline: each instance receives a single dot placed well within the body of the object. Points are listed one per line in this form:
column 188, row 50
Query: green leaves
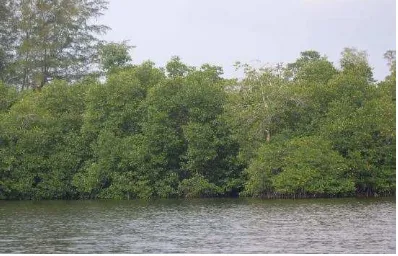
column 175, row 68
column 50, row 40
column 198, row 186
column 114, row 55
column 354, row 62
column 187, row 132
column 306, row 166
column 343, row 109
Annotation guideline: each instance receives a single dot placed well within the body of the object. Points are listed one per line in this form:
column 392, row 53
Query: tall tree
column 8, row 38
column 56, row 40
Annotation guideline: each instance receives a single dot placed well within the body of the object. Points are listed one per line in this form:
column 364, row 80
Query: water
column 199, row 226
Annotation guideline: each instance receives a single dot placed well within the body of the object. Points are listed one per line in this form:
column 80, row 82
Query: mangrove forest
column 80, row 120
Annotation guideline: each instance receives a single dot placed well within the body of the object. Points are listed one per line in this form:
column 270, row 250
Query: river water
column 199, row 226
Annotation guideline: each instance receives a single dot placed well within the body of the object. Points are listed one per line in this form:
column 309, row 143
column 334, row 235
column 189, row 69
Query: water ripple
column 199, row 226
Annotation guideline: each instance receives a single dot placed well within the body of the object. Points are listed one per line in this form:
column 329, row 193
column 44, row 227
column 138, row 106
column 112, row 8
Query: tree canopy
column 46, row 40
column 78, row 119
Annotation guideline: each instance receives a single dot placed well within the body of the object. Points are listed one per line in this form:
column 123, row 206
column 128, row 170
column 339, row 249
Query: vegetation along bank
column 79, row 121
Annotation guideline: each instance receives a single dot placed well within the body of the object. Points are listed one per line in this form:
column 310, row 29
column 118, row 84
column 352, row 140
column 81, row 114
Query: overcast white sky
column 222, row 32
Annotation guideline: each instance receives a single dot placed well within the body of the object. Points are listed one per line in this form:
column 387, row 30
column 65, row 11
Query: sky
column 258, row 32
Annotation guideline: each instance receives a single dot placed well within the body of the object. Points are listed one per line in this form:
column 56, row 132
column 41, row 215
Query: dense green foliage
column 309, row 130
column 102, row 127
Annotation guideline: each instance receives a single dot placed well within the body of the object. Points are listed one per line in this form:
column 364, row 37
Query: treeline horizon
column 78, row 120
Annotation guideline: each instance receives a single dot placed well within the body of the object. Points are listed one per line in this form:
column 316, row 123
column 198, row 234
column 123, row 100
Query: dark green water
column 199, row 226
